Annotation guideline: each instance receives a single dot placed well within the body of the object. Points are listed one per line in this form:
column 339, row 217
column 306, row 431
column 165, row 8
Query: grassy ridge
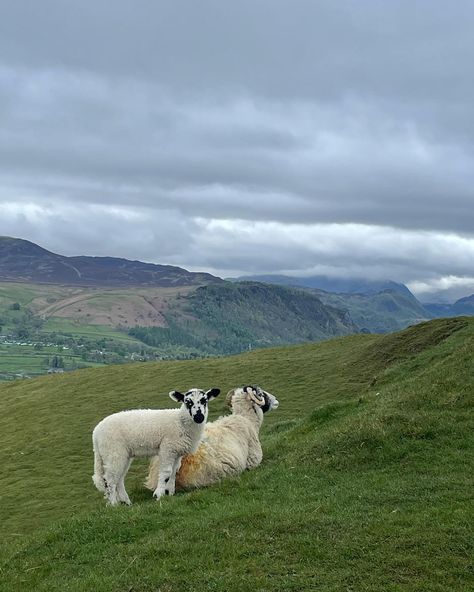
column 364, row 485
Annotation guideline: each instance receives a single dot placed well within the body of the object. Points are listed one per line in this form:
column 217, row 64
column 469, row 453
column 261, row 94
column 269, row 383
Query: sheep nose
column 199, row 417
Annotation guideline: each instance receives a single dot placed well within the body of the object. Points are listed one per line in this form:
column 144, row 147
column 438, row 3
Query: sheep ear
column 177, row 396
column 212, row 393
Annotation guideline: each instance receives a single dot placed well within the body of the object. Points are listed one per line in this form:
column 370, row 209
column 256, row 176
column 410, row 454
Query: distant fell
column 329, row 284
column 381, row 312
column 22, row 260
column 463, row 306
column 231, row 317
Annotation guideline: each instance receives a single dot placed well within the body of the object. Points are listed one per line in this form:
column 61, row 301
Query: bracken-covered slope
column 366, row 482
column 23, row 260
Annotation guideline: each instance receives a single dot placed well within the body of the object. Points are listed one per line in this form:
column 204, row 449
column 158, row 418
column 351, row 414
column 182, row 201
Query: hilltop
column 365, row 485
column 23, row 260
column 346, row 285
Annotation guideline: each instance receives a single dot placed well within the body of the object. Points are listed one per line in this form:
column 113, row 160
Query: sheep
column 168, row 433
column 230, row 444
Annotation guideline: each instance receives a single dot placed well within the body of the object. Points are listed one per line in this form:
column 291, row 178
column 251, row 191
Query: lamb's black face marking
column 196, row 404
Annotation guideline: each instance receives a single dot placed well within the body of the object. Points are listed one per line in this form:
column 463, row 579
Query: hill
column 380, row 312
column 22, row 260
column 114, row 325
column 374, row 306
column 463, row 306
column 365, row 484
column 329, row 284
column 229, row 318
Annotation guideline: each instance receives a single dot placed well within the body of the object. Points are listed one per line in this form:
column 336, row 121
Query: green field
column 57, row 325
column 29, row 356
column 366, row 483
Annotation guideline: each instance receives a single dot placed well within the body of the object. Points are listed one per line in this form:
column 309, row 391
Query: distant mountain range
column 209, row 315
column 328, row 284
column 22, row 260
column 381, row 312
column 463, row 306
column 374, row 305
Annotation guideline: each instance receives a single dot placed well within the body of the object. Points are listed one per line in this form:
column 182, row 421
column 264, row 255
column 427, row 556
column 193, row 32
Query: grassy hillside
column 366, row 483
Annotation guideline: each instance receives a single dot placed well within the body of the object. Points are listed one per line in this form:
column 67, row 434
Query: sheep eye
column 189, row 403
column 203, row 401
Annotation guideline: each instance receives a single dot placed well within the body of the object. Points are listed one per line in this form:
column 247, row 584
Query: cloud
column 338, row 135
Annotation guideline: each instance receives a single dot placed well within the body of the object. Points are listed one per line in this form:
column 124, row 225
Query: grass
column 79, row 329
column 366, row 483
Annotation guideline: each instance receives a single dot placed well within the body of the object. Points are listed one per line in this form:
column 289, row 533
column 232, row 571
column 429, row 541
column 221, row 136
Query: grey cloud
column 294, row 112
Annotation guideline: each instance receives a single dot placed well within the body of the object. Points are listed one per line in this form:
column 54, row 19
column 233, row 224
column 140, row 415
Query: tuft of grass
column 365, row 485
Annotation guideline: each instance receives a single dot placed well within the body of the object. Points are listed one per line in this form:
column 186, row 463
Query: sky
column 296, row 137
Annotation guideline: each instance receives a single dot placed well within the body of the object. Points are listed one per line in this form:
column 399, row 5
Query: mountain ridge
column 330, row 284
column 23, row 260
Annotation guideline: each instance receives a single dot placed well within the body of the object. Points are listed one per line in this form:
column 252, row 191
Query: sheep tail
column 98, row 476
column 152, row 479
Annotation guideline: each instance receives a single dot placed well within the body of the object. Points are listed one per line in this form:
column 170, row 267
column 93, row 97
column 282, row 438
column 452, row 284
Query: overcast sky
column 260, row 136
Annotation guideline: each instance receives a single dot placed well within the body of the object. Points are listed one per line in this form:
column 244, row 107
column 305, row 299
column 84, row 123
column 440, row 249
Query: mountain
column 463, row 306
column 230, row 317
column 328, row 284
column 365, row 484
column 381, row 312
column 22, row 260
column 375, row 306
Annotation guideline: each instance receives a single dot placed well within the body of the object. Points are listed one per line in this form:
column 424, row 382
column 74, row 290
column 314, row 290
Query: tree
column 16, row 306
column 57, row 362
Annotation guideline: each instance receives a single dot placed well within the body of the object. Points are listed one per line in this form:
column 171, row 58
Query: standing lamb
column 168, row 433
column 230, row 445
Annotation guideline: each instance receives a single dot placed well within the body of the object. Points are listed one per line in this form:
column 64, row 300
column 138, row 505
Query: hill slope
column 177, row 322
column 381, row 312
column 23, row 260
column 365, row 483
column 375, row 306
column 229, row 318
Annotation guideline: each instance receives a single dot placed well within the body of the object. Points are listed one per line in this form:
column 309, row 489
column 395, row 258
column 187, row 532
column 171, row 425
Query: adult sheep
column 168, row 433
column 230, row 445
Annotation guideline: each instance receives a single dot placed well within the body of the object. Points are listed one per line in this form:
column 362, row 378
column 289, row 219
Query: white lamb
column 168, row 433
column 230, row 445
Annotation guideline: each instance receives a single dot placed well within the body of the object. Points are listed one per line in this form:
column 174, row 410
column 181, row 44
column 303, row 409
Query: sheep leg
column 255, row 454
column 172, row 480
column 114, row 472
column 121, row 491
column 166, row 478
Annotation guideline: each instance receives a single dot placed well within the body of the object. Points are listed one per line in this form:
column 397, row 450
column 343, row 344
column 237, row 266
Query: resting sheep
column 168, row 433
column 230, row 445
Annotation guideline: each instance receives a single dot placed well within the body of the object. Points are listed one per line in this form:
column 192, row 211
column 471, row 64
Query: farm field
column 51, row 319
column 366, row 482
